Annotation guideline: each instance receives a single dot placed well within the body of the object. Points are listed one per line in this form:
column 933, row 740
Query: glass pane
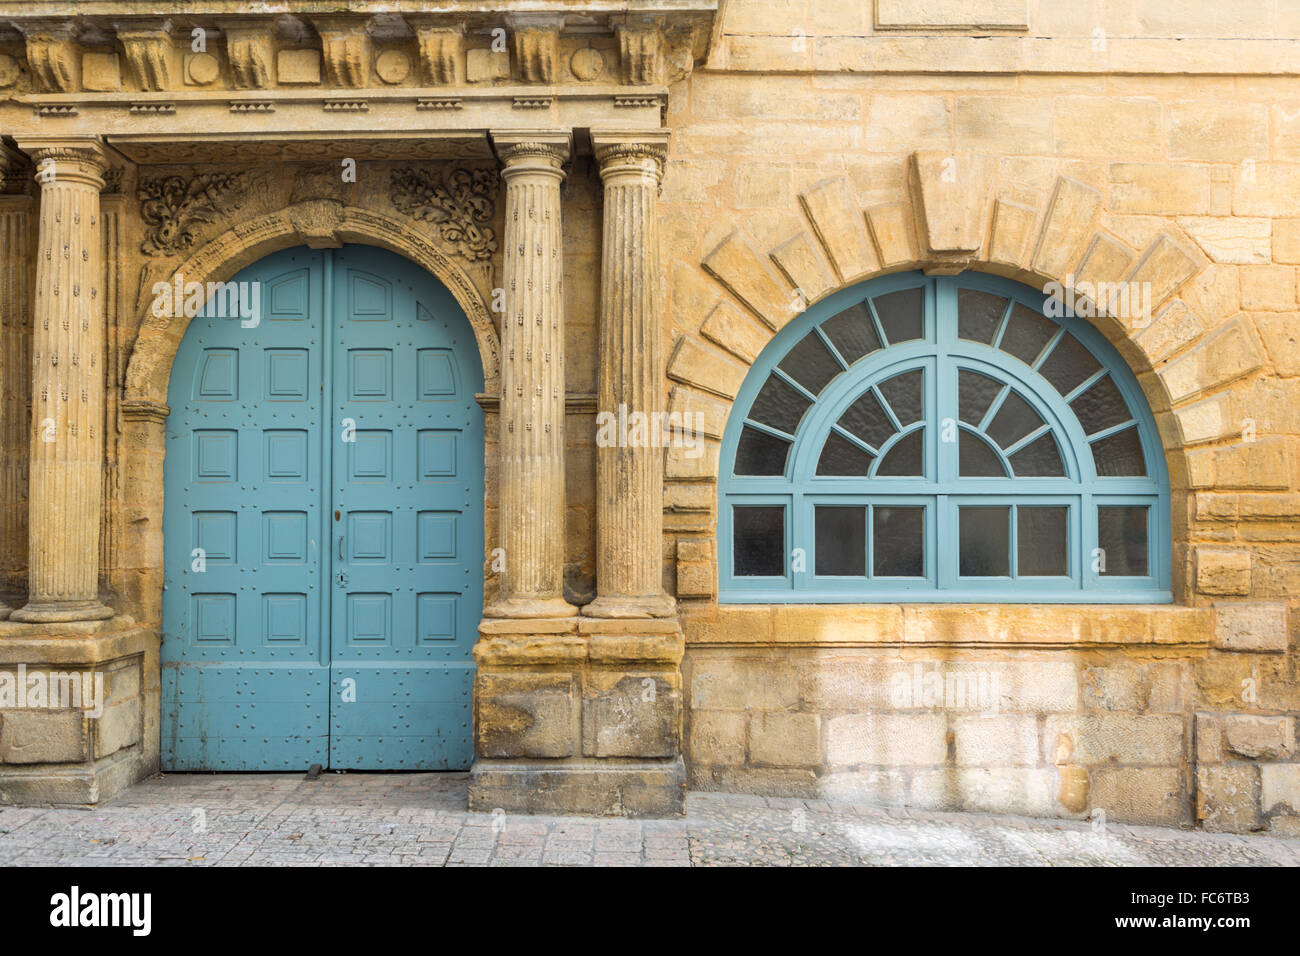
column 1027, row 332
column 1041, row 458
column 759, row 453
column 1014, row 420
column 1068, row 365
column 906, row 459
column 900, row 314
column 898, row 542
column 1122, row 537
column 810, row 364
column 978, row 315
column 758, row 536
column 903, row 393
column 1119, row 455
column 1042, row 540
column 978, row 460
column 841, row 458
column 1101, row 407
column 779, row 405
column 841, row 546
column 975, row 393
column 985, row 541
column 852, row 333
column 866, row 419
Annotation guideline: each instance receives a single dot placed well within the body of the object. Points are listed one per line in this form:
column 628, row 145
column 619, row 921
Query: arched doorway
column 323, row 524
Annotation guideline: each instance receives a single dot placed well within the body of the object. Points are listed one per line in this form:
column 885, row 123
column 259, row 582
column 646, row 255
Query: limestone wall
column 1139, row 141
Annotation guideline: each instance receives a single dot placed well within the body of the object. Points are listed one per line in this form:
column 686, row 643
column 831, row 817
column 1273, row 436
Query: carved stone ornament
column 461, row 203
column 173, row 208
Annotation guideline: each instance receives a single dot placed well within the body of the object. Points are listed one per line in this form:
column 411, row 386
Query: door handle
column 340, row 547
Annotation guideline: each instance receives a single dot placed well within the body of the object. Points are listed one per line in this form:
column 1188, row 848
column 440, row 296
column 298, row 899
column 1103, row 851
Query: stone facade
column 629, row 201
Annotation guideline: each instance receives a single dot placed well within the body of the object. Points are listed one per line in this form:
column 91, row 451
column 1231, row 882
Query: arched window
column 942, row 439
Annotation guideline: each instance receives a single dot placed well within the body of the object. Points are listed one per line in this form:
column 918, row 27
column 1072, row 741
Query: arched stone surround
column 138, row 575
column 956, row 216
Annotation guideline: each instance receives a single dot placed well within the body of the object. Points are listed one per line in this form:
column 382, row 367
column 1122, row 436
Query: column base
column 62, row 612
column 524, row 608
column 655, row 788
column 621, row 607
column 94, row 730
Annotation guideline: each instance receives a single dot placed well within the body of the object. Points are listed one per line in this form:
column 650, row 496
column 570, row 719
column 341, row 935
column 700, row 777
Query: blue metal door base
column 324, row 467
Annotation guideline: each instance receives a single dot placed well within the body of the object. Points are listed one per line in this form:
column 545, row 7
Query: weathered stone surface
column 42, row 736
column 1249, row 626
column 1149, row 795
column 1222, row 572
column 1258, row 738
column 525, row 715
column 1227, row 797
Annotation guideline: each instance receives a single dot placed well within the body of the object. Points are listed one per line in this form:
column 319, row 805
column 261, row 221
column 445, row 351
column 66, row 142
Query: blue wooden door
column 322, row 523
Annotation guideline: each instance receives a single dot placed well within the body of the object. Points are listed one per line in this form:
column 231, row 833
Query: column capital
column 67, row 158
column 533, row 150
column 635, row 148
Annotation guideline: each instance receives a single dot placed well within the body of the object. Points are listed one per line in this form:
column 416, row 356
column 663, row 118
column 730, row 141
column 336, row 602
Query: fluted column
column 531, row 583
column 14, row 389
column 67, row 438
column 629, row 458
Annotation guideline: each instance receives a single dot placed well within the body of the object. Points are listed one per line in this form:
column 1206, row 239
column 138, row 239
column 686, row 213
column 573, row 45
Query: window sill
column 931, row 625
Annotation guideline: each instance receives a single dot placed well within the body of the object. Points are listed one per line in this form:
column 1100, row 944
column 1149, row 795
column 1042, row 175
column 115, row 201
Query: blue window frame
column 942, row 439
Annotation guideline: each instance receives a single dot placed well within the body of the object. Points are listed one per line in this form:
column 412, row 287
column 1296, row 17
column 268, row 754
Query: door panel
column 408, row 589
column 244, row 685
column 387, row 554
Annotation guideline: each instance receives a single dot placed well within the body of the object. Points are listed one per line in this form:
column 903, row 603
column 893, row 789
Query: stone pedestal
column 78, row 710
column 579, row 716
column 629, row 461
column 531, row 583
column 67, row 442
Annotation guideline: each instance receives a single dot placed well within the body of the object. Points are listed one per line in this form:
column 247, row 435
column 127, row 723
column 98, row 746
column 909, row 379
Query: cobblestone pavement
column 419, row 819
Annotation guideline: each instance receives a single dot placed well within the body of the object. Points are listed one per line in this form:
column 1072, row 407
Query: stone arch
column 314, row 222
column 955, row 216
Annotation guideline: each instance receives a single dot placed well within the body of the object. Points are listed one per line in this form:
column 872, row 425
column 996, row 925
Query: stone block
column 100, row 72
column 632, row 789
column 1147, row 795
column 1268, row 288
column 891, row 230
column 525, row 714
column 1227, row 797
column 631, row 715
column 1280, row 788
column 1251, row 626
column 785, row 740
column 886, row 740
column 836, row 217
column 484, row 66
column 720, row 683
column 717, row 738
column 293, row 67
column 996, row 741
column 1068, row 223
column 28, row 735
column 952, row 15
column 1281, row 335
column 736, row 331
column 952, row 193
column 751, row 279
column 705, row 367
column 1222, row 572
column 118, row 727
column 1258, row 737
column 1091, row 739
column 1231, row 239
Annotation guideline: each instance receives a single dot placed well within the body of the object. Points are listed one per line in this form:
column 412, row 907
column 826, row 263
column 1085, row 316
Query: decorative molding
column 51, row 53
column 346, row 49
column 148, row 53
column 575, row 403
column 442, row 50
column 637, row 102
column 440, row 103
column 144, row 410
column 249, row 51
column 641, row 49
column 157, row 109
column 113, row 180
column 317, row 221
column 533, row 102
column 252, row 106
column 345, row 106
column 462, row 205
column 173, row 208
column 50, row 109
column 536, row 53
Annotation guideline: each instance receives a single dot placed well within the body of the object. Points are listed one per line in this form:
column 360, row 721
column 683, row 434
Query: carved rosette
column 174, row 208
column 461, row 203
